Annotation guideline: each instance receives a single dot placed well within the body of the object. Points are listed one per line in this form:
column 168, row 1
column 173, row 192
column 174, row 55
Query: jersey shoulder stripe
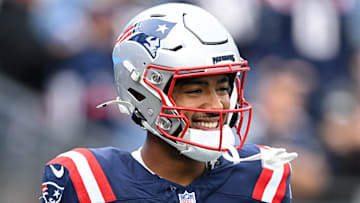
column 261, row 183
column 271, row 186
column 281, row 191
column 75, row 176
column 89, row 179
column 99, row 174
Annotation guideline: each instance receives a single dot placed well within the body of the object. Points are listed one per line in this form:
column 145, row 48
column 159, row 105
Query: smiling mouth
column 206, row 125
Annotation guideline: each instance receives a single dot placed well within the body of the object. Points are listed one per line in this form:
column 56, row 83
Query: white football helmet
column 169, row 42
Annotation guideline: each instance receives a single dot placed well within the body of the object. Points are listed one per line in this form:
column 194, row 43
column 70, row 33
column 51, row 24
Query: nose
column 213, row 101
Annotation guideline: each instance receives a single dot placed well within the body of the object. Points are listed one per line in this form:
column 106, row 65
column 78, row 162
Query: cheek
column 226, row 101
column 179, row 100
column 188, row 115
column 183, row 101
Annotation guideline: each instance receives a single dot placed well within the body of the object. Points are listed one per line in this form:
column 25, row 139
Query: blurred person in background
column 281, row 118
column 81, row 33
column 54, row 59
column 323, row 33
column 340, row 131
column 23, row 57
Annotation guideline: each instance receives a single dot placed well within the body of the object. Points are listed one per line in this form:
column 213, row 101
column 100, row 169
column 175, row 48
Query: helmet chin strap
column 235, row 157
column 271, row 158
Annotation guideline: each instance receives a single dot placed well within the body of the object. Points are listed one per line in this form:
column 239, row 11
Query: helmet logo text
column 218, row 59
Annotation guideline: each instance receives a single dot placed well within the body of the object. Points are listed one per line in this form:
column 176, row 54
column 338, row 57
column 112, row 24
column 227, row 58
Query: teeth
column 208, row 124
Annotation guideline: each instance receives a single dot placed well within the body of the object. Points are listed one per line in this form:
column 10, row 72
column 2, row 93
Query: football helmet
column 170, row 42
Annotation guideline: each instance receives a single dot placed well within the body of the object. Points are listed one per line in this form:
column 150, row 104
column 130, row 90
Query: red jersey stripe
column 281, row 190
column 261, row 183
column 75, row 177
column 101, row 179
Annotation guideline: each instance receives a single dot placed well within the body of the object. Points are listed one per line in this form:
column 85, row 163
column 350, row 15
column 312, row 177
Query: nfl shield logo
column 187, row 197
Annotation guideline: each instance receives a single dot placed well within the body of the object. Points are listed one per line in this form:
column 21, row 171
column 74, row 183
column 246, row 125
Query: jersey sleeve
column 57, row 185
column 76, row 176
column 288, row 195
column 273, row 183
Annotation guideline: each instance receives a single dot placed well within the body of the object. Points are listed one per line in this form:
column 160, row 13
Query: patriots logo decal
column 51, row 192
column 148, row 33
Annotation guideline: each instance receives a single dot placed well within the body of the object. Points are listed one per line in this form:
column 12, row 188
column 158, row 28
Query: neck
column 166, row 162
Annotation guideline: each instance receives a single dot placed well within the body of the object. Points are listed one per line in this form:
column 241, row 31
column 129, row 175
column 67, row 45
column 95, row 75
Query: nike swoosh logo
column 58, row 173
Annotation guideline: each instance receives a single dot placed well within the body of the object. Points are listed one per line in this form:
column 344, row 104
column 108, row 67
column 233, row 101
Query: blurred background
column 55, row 67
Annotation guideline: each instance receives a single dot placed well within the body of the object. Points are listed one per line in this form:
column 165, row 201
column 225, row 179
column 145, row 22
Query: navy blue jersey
column 111, row 175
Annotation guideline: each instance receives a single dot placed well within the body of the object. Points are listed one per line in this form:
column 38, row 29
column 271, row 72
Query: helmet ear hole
column 233, row 119
column 137, row 95
column 137, row 117
column 167, row 87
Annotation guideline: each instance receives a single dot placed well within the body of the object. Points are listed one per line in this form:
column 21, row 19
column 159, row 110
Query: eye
column 224, row 89
column 193, row 91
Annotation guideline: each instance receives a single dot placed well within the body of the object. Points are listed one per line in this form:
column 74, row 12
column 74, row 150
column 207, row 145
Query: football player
column 179, row 75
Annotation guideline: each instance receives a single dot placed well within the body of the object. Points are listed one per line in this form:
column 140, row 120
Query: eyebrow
column 197, row 81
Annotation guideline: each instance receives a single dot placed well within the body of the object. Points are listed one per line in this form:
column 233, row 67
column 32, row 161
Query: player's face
column 205, row 92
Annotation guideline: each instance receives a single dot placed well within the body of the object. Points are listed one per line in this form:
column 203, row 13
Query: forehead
column 221, row 78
